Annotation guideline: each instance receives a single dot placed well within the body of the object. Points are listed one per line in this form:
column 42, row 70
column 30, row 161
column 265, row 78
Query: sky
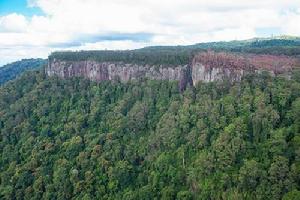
column 35, row 28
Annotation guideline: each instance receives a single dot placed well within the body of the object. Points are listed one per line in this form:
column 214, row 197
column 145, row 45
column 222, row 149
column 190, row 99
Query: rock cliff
column 205, row 66
column 101, row 71
column 211, row 66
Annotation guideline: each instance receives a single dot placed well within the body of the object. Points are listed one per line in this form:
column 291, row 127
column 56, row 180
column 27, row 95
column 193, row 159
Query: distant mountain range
column 174, row 55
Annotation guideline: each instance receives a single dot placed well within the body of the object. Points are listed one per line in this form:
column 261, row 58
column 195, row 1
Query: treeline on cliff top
column 181, row 55
column 78, row 139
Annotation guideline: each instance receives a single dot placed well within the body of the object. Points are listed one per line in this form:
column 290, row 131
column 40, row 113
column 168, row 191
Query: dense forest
column 78, row 139
column 181, row 55
column 12, row 70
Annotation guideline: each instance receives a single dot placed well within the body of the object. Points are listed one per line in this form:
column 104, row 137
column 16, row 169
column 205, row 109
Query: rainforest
column 79, row 139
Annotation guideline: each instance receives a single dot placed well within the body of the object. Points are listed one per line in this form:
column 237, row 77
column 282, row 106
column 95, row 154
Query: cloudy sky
column 34, row 28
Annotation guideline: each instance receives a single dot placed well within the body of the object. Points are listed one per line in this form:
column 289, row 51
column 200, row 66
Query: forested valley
column 78, row 139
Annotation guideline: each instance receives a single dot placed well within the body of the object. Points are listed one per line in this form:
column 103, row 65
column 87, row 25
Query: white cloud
column 291, row 23
column 13, row 23
column 112, row 45
column 171, row 22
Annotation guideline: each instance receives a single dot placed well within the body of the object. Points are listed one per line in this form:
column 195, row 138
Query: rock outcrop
column 205, row 66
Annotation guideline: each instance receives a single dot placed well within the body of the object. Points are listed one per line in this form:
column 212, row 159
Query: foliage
column 12, row 70
column 182, row 55
column 77, row 139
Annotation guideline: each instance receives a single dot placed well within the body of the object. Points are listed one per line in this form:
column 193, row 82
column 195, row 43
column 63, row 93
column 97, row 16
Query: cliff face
column 101, row 71
column 211, row 66
column 202, row 73
column 205, row 67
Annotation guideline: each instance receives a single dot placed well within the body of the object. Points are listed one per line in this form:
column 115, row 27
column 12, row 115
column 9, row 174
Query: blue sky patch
column 93, row 38
column 18, row 6
column 268, row 32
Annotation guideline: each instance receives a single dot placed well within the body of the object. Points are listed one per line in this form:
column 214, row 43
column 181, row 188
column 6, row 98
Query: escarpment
column 102, row 71
column 204, row 66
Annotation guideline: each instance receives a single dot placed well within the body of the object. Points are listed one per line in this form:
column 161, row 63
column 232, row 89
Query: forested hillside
column 12, row 70
column 77, row 139
column 181, row 55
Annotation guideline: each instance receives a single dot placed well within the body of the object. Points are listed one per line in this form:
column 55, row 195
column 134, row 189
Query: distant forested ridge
column 78, row 139
column 181, row 55
column 12, row 70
